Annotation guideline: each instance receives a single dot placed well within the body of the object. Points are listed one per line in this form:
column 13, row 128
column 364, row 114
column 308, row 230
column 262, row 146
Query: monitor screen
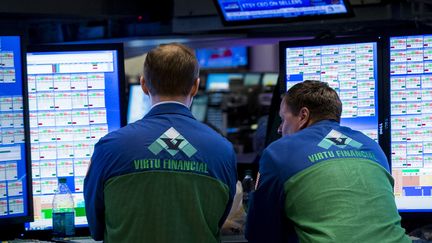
column 15, row 192
column 350, row 68
column 269, row 79
column 411, row 121
column 139, row 103
column 234, row 12
column 221, row 81
column 222, row 57
column 75, row 95
column 252, row 79
column 199, row 107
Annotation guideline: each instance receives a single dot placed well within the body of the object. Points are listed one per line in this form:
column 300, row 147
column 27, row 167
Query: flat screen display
column 411, row 121
column 139, row 103
column 199, row 107
column 269, row 79
column 15, row 190
column 222, row 57
column 252, row 79
column 234, row 12
column 75, row 99
column 350, row 68
column 221, row 81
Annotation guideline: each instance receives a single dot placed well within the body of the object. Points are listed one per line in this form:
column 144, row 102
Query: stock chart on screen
column 349, row 68
column 411, row 121
column 14, row 170
column 74, row 101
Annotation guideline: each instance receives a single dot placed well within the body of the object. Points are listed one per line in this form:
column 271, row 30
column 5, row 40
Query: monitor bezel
column 84, row 230
column 9, row 222
column 279, row 20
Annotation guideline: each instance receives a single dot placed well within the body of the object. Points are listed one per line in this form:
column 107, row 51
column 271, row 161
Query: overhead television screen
column 350, row 66
column 75, row 94
column 236, row 12
column 411, row 121
column 15, row 187
column 222, row 57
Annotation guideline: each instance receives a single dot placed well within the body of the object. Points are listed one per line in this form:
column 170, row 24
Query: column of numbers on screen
column 11, row 120
column 67, row 117
column 411, row 114
column 7, row 67
column 11, row 139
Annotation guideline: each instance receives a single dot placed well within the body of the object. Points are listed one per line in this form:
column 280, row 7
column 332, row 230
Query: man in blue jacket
column 322, row 182
column 166, row 177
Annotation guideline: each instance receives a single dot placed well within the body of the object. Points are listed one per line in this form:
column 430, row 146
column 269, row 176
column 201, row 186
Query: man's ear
column 195, row 87
column 305, row 117
column 144, row 85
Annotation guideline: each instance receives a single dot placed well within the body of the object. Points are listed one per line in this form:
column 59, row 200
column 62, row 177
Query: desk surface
column 224, row 239
column 233, row 239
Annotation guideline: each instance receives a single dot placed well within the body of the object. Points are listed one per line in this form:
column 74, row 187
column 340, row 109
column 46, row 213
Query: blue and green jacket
column 325, row 183
column 164, row 178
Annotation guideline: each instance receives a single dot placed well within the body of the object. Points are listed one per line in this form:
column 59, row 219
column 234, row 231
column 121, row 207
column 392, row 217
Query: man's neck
column 186, row 100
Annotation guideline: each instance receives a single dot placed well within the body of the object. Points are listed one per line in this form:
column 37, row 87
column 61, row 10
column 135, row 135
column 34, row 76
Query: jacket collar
column 326, row 122
column 170, row 108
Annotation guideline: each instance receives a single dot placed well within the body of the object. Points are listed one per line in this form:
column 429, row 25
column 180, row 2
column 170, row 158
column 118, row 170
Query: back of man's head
column 170, row 70
column 322, row 101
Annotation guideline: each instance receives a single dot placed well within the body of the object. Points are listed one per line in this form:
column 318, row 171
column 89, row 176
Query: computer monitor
column 252, row 79
column 221, row 81
column 350, row 66
column 75, row 96
column 139, row 103
column 15, row 172
column 199, row 107
column 222, row 57
column 268, row 11
column 410, row 64
column 269, row 79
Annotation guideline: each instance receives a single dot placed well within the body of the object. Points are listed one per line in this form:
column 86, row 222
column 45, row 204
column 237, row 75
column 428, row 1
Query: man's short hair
column 322, row 101
column 170, row 70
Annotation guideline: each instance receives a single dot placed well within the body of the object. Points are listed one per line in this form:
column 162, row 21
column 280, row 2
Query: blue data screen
column 351, row 69
column 73, row 102
column 13, row 172
column 411, row 121
column 243, row 10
